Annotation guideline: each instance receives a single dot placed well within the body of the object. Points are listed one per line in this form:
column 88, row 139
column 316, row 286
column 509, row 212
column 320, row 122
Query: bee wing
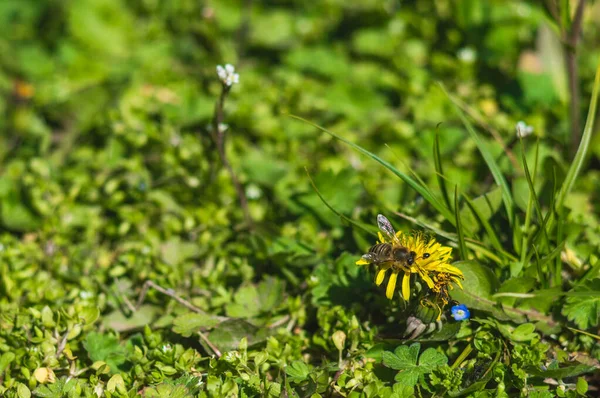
column 370, row 257
column 386, row 227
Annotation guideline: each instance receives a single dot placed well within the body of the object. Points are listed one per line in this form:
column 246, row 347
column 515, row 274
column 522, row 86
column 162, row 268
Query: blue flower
column 460, row 312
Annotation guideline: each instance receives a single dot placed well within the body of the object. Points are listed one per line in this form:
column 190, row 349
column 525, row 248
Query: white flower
column 467, row 55
column 523, row 130
column 227, row 75
column 253, row 191
column 223, row 127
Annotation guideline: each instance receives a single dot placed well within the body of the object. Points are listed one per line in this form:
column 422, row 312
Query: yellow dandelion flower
column 410, row 254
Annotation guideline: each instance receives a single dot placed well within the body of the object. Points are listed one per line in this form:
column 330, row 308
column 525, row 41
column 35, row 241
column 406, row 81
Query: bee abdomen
column 381, row 250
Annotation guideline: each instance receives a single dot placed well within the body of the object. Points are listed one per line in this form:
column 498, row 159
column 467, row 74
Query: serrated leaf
column 581, row 309
column 405, row 358
column 431, row 359
column 297, row 371
column 59, row 389
column 402, row 357
column 104, row 347
column 400, row 390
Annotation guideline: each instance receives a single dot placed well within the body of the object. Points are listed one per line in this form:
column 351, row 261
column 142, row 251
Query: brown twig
column 279, row 322
column 218, row 134
column 168, row 292
column 63, row 343
column 211, row 345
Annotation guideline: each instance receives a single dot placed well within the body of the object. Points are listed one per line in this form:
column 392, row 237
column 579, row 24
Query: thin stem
column 168, row 292
column 570, row 46
column 218, row 135
column 461, row 358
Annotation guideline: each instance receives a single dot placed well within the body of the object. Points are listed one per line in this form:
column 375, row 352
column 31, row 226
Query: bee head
column 402, row 254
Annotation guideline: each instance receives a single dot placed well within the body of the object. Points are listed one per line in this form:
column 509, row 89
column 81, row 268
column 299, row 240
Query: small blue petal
column 460, row 312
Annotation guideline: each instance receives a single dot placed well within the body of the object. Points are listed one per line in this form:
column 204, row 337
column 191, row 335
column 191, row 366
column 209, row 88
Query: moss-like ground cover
column 172, row 226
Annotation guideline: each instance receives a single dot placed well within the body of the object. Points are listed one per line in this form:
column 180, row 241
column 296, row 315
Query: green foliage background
column 109, row 178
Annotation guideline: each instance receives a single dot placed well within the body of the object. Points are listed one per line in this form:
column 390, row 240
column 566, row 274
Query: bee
column 390, row 252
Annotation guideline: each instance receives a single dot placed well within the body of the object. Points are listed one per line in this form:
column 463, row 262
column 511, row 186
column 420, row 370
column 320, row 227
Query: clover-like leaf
column 406, row 360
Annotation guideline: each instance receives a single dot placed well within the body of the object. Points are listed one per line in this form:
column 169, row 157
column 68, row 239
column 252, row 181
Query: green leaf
column 59, row 389
column 190, row 323
column 271, row 292
column 117, row 321
column 584, row 310
column 5, row 360
column 104, row 347
column 582, row 386
column 401, row 390
column 297, row 371
column 89, row 315
column 227, row 335
column 404, row 359
column 522, row 333
column 479, row 281
column 431, row 359
column 23, row 391
column 17, row 217
column 246, row 303
column 562, row 373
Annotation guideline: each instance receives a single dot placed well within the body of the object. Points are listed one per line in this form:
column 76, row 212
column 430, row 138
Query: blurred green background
column 109, row 177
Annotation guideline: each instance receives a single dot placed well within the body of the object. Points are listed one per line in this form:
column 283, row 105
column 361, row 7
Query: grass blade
column 533, row 200
column 365, row 227
column 582, row 150
column 488, row 157
column 461, row 238
column 485, row 223
column 472, row 244
column 438, row 169
column 424, row 191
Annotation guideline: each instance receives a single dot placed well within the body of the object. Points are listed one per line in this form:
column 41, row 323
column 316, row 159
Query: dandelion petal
column 380, row 276
column 389, row 292
column 406, row 286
